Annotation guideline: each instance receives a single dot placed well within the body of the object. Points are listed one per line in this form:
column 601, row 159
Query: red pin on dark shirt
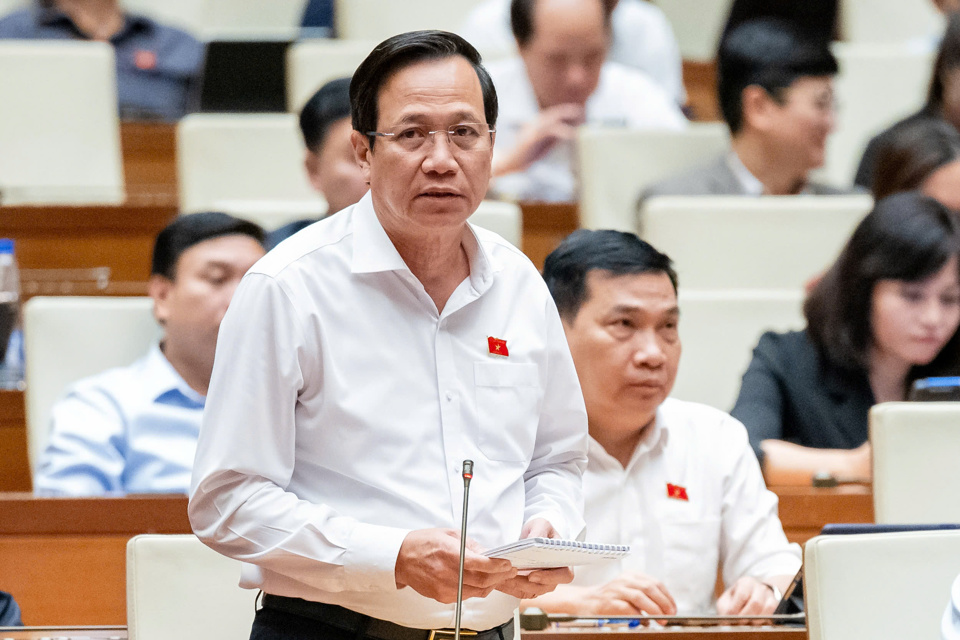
column 145, row 60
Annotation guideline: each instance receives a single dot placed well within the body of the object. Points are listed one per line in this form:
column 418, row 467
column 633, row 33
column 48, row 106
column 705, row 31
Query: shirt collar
column 751, row 186
column 48, row 14
column 166, row 385
column 654, row 440
column 373, row 251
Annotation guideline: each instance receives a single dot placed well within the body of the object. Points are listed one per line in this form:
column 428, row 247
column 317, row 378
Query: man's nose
column 648, row 351
column 440, row 158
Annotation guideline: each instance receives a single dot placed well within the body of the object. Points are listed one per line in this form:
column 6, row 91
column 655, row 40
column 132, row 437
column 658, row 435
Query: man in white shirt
column 676, row 480
column 134, row 429
column 560, row 81
column 365, row 358
column 641, row 38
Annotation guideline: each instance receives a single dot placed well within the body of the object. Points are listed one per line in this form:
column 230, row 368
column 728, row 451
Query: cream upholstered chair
column 718, row 331
column 69, row 338
column 734, row 242
column 209, row 19
column 378, row 20
column 312, row 63
column 59, row 131
column 916, row 449
column 616, row 165
column 503, row 218
column 879, row 586
column 249, row 165
column 890, row 21
column 877, row 85
column 697, row 25
column 179, row 588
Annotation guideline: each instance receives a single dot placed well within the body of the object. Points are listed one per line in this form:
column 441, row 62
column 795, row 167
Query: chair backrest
column 210, row 19
column 69, row 338
column 880, row 586
column 616, row 165
column 377, row 20
column 59, row 131
column 179, row 588
column 916, row 449
column 886, row 21
column 503, row 218
column 718, row 331
column 697, row 25
column 312, row 63
column 734, row 242
column 244, row 163
column 877, row 85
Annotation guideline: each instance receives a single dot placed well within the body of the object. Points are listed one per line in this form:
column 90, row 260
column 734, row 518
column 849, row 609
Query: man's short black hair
column 191, row 229
column 771, row 54
column 616, row 252
column 329, row 105
column 521, row 18
column 403, row 50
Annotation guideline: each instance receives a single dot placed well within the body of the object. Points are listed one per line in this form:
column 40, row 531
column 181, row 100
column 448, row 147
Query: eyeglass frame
column 431, row 135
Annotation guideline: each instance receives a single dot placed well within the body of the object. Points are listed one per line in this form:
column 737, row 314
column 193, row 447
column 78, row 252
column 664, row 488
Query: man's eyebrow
column 632, row 308
column 418, row 117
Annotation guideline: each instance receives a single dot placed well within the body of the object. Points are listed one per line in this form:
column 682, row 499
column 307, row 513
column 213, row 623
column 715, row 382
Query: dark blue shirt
column 158, row 67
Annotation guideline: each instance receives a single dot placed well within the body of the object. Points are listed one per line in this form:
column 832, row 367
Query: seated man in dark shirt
column 331, row 165
column 158, row 67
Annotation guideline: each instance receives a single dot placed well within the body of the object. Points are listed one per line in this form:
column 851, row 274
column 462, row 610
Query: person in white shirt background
column 641, row 38
column 676, row 480
column 561, row 80
column 364, row 358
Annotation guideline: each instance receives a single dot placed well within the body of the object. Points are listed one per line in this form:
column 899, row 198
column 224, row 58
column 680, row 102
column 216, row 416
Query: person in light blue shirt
column 134, row 429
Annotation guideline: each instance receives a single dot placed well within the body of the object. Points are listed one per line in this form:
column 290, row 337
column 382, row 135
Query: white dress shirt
column 642, row 38
column 624, row 98
column 342, row 405
column 127, row 430
column 728, row 518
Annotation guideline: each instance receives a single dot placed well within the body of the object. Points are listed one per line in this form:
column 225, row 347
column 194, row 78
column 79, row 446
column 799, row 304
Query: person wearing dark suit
column 883, row 316
column 775, row 88
column 943, row 104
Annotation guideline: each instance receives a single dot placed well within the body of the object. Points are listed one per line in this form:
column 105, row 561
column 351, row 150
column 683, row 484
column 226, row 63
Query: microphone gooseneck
column 467, row 476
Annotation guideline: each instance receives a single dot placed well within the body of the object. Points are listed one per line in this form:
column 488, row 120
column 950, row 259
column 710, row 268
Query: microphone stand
column 467, row 476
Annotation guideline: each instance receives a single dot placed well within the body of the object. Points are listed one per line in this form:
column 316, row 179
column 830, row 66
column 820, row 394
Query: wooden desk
column 64, row 560
column 674, row 633
column 63, row 633
column 804, row 510
column 15, row 468
column 150, row 163
column 545, row 224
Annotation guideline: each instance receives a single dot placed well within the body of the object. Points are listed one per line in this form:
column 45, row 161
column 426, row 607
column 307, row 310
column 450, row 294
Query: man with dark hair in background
column 331, row 166
column 675, row 480
column 775, row 88
column 134, row 429
column 366, row 357
column 561, row 80
column 158, row 67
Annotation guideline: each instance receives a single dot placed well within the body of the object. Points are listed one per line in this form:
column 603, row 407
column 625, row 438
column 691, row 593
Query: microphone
column 467, row 476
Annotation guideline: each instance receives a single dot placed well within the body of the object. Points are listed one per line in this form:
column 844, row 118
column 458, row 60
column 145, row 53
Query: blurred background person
column 883, row 316
column 158, row 67
column 920, row 154
column 943, row 100
column 331, row 165
column 134, row 429
column 560, row 81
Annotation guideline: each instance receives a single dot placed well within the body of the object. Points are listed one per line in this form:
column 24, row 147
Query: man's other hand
column 747, row 597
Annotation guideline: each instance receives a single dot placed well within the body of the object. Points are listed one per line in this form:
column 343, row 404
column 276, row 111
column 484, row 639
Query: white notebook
column 547, row 553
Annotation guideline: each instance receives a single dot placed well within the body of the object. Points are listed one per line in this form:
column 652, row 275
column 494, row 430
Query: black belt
column 365, row 626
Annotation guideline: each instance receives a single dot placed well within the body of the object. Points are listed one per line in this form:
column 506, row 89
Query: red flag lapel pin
column 144, row 59
column 497, row 347
column 677, row 492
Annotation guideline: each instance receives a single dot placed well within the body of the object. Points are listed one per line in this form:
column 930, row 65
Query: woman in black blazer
column 884, row 315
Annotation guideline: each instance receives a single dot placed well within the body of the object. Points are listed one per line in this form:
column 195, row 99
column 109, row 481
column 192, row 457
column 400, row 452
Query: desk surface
column 674, row 633
column 63, row 633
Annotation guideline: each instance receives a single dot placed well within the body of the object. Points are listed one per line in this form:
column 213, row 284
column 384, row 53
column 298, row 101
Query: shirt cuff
column 371, row 558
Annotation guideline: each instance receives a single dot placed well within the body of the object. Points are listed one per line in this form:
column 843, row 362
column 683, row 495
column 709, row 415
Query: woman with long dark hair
column 884, row 315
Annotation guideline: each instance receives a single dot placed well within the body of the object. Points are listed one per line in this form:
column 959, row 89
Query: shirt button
column 449, row 395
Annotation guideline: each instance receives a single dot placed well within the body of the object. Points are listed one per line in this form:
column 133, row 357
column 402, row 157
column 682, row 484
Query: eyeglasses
column 466, row 136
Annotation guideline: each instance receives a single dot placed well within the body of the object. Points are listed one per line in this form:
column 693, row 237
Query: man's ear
column 159, row 288
column 311, row 163
column 758, row 108
column 362, row 151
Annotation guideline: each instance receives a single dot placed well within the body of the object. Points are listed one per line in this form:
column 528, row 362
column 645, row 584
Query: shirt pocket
column 691, row 561
column 508, row 409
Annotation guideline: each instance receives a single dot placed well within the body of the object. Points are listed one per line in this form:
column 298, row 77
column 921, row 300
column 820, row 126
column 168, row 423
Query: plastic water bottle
column 11, row 337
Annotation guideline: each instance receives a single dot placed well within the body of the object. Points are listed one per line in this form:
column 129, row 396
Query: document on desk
column 549, row 553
